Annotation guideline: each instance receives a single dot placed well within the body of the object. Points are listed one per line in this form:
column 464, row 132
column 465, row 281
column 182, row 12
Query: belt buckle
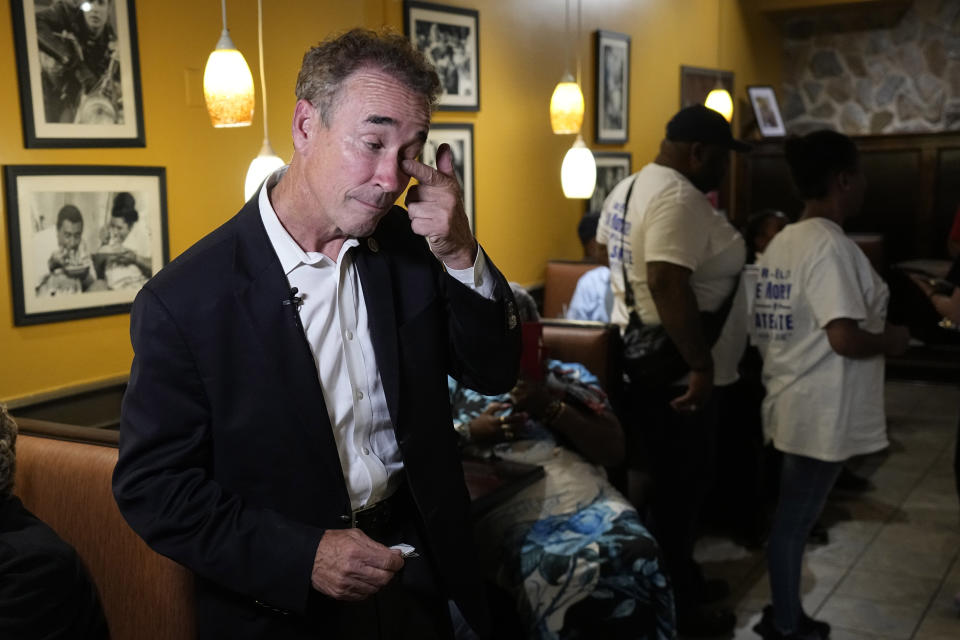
column 361, row 510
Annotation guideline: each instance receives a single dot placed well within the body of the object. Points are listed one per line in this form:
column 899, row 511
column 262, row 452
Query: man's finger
column 445, row 160
column 425, row 174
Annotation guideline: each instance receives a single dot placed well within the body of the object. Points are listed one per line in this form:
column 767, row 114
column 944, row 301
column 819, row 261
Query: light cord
column 263, row 77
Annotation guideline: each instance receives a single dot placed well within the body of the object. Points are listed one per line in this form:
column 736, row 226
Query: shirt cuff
column 473, row 276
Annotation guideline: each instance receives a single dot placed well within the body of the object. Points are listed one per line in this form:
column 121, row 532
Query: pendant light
column 578, row 173
column 566, row 103
column 719, row 98
column 227, row 83
column 266, row 161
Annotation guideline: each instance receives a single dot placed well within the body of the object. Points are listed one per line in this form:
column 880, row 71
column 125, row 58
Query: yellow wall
column 522, row 218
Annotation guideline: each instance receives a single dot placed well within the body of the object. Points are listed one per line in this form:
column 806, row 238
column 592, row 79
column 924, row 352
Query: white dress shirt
column 334, row 318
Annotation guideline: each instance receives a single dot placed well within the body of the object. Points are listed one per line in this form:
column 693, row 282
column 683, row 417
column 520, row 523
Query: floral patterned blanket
column 570, row 549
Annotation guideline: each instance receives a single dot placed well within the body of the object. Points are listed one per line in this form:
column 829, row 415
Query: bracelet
column 506, row 429
column 553, row 411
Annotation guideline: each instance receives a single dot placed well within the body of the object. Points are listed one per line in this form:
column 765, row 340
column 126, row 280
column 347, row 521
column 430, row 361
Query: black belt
column 384, row 514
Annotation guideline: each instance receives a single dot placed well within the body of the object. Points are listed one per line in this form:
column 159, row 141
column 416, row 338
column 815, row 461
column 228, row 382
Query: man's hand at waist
column 435, row 206
column 349, row 565
column 677, row 306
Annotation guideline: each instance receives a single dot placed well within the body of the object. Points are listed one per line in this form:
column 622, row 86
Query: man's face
column 353, row 166
column 95, row 14
column 710, row 167
column 68, row 234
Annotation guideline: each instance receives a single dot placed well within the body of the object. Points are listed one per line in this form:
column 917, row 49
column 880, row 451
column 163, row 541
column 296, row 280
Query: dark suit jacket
column 228, row 463
column 45, row 591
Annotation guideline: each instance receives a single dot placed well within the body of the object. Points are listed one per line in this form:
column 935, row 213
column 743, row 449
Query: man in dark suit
column 286, row 419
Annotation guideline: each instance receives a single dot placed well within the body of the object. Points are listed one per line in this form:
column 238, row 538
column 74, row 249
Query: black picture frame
column 66, row 103
column 766, row 111
column 450, row 38
column 612, row 167
column 612, row 80
column 459, row 135
column 94, row 280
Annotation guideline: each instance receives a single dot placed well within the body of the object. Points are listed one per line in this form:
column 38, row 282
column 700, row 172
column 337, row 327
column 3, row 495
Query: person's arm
column 850, row 341
column 947, row 306
column 677, row 306
column 484, row 333
column 598, row 436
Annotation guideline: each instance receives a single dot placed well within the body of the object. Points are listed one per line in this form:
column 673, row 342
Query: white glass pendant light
column 266, row 161
column 578, row 174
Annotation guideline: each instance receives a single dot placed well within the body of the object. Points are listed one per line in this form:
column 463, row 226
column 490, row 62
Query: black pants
column 678, row 451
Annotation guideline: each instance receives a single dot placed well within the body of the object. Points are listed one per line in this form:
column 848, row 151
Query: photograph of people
column 63, row 263
column 613, row 81
column 124, row 258
column 80, row 70
column 447, row 46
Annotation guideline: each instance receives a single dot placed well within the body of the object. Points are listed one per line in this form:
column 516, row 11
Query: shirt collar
column 290, row 253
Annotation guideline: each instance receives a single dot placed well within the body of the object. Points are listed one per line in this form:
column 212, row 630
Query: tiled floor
column 892, row 565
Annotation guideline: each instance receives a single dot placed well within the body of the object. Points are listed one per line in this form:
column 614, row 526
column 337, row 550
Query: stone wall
column 900, row 79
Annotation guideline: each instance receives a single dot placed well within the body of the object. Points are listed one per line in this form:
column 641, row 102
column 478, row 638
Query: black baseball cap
column 698, row 123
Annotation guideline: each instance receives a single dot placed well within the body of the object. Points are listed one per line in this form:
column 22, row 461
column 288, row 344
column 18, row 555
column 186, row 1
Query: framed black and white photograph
column 83, row 239
column 612, row 167
column 767, row 111
column 613, row 87
column 79, row 73
column 449, row 37
column 460, row 139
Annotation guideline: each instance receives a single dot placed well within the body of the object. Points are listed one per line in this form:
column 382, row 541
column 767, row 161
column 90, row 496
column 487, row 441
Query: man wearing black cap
column 682, row 261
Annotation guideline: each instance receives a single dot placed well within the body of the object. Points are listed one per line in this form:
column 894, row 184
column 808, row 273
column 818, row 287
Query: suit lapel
column 377, row 282
column 261, row 290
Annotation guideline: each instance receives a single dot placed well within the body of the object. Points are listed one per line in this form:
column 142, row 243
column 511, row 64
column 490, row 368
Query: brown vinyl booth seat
column 559, row 284
column 63, row 476
column 595, row 345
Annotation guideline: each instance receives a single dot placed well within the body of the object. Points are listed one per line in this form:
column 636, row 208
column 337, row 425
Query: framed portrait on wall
column 460, row 138
column 79, row 73
column 449, row 37
column 612, row 167
column 613, row 87
column 83, row 239
column 767, row 111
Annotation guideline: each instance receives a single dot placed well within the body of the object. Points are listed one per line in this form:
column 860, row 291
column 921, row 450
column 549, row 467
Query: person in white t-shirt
column 819, row 320
column 681, row 258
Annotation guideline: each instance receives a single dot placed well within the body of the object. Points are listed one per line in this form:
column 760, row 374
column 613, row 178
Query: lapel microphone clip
column 294, row 300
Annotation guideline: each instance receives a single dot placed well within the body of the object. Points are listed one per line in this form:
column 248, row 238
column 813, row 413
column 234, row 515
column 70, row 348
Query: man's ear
column 844, row 180
column 306, row 120
column 696, row 155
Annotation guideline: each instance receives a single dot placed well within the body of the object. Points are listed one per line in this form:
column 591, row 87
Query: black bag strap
column 720, row 315
column 627, row 288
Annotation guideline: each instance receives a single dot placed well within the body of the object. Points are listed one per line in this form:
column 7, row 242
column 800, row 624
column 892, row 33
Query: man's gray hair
column 326, row 66
column 8, row 452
